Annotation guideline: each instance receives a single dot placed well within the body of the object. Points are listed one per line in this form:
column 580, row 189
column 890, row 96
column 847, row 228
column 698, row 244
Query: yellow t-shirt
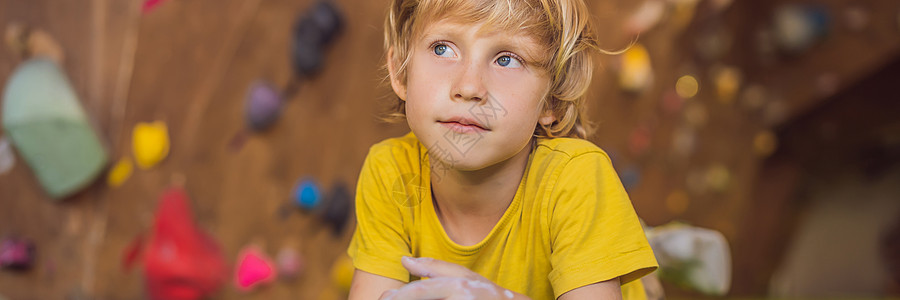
column 570, row 223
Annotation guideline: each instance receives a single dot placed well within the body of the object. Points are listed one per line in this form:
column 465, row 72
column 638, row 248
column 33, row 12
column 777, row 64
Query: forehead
column 459, row 29
column 524, row 17
column 521, row 41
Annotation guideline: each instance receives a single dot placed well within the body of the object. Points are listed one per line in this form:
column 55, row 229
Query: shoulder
column 398, row 145
column 394, row 163
column 402, row 144
column 566, row 150
column 575, row 169
column 404, row 151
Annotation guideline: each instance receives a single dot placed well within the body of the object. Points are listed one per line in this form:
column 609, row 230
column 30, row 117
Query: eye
column 509, row 61
column 442, row 50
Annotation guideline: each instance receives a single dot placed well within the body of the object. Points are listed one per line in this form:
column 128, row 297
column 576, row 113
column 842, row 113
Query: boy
column 494, row 194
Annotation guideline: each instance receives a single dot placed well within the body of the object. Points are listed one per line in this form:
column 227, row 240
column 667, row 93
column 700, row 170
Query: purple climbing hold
column 263, row 105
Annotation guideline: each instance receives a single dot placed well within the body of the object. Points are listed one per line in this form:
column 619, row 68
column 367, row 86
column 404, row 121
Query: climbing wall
column 689, row 114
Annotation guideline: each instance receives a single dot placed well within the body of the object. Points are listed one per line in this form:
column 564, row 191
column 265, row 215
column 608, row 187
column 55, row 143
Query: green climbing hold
column 46, row 123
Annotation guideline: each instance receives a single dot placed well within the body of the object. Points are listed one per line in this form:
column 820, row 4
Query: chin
column 479, row 159
column 486, row 151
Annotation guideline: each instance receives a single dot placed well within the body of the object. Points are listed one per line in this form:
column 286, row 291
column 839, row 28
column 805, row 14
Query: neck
column 480, row 193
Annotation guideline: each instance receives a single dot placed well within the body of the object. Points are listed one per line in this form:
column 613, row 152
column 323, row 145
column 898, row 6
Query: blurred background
column 180, row 149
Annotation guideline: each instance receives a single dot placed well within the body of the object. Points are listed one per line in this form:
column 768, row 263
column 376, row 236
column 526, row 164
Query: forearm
column 368, row 286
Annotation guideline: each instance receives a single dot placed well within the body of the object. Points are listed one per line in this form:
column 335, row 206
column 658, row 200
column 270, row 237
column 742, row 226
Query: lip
column 463, row 125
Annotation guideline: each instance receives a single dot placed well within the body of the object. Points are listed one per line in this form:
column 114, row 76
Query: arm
column 602, row 290
column 368, row 286
column 598, row 245
column 448, row 280
column 380, row 239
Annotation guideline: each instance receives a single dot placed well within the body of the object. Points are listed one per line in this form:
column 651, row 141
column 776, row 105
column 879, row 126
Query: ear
column 547, row 118
column 398, row 86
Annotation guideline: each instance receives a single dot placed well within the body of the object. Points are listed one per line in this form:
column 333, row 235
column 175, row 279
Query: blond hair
column 564, row 26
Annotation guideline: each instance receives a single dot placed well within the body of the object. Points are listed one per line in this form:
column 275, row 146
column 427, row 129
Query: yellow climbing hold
column 120, row 172
column 342, row 273
column 687, row 86
column 150, row 143
column 728, row 82
column 636, row 74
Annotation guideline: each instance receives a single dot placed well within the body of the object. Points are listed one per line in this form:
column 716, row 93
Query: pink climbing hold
column 254, row 268
column 150, row 5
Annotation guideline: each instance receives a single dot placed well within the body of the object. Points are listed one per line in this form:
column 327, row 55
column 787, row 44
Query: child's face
column 473, row 98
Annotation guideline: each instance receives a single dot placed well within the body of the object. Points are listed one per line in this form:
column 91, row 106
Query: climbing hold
column 306, row 52
column 798, row 27
column 646, row 17
column 687, row 86
column 695, row 258
column 182, row 262
column 327, row 20
column 314, row 30
column 46, row 123
column 636, row 73
column 120, row 172
column 16, row 254
column 684, row 141
column 307, row 195
column 150, row 143
column 28, row 42
column 728, row 82
column 263, row 105
column 630, row 177
column 718, row 178
column 42, row 44
column 253, row 268
column 150, row 5
column 342, row 272
column 338, row 207
column 290, row 263
column 639, row 140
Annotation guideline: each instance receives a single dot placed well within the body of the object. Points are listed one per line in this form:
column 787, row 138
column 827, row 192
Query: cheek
column 521, row 97
column 423, row 84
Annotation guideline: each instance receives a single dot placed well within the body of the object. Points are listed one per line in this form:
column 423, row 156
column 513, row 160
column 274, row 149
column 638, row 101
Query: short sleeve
column 595, row 233
column 379, row 240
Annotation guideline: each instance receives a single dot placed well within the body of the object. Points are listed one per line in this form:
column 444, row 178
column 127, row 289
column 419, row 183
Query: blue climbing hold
column 307, row 195
column 630, row 177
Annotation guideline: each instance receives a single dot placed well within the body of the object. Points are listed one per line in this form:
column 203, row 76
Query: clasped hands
column 446, row 281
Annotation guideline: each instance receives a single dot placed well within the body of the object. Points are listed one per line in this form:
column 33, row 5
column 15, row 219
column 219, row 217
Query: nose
column 469, row 84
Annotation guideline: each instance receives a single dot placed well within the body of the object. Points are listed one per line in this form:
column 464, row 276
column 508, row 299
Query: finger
column 438, row 288
column 433, row 268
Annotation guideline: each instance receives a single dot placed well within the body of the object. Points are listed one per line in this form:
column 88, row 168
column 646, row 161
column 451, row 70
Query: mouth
column 463, row 125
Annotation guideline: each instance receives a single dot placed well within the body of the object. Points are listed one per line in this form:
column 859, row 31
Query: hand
column 447, row 281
